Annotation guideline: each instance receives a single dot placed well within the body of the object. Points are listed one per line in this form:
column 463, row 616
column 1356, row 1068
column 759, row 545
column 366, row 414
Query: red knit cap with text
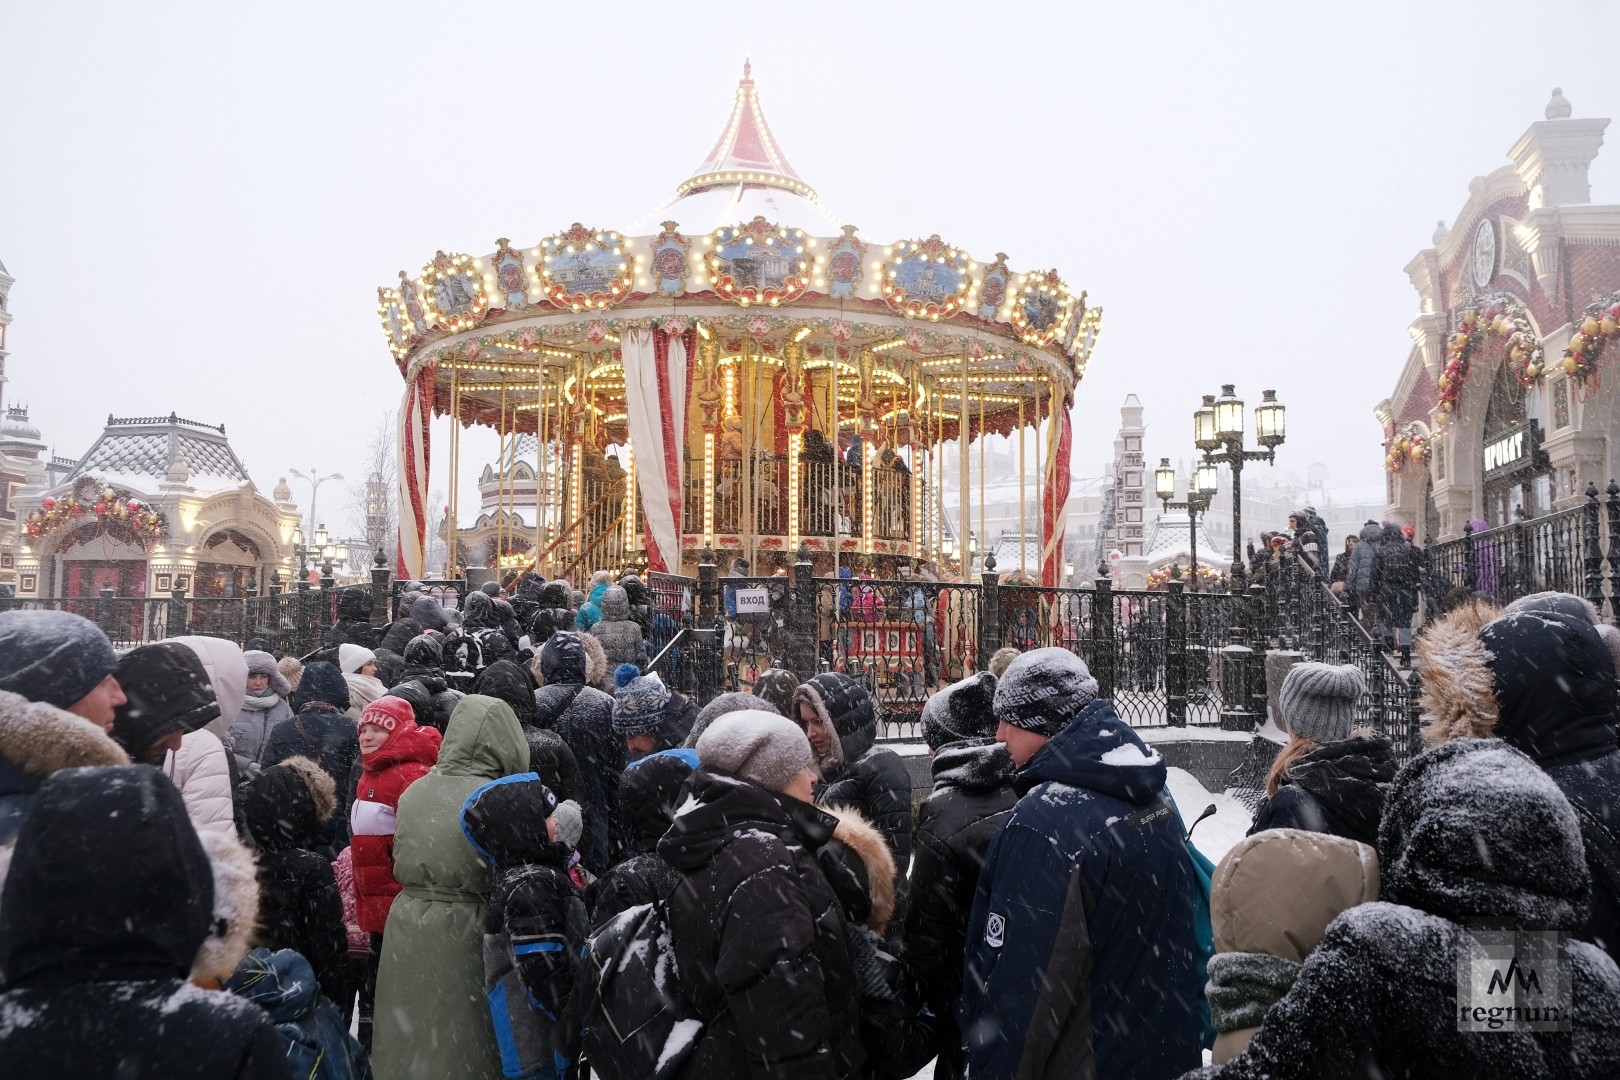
column 388, row 713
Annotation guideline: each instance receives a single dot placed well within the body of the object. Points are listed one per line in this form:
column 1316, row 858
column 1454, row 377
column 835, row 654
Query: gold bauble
column 1589, row 326
column 1570, row 365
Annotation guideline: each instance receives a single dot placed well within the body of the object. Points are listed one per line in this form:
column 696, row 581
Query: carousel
column 752, row 376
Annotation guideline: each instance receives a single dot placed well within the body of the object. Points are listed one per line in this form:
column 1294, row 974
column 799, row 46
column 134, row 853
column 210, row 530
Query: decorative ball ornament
column 1593, row 344
column 1501, row 315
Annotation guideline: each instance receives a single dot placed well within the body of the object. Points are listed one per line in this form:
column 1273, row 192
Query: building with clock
column 1508, row 402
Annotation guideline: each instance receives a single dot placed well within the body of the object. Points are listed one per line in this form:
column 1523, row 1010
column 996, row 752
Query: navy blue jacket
column 1080, row 949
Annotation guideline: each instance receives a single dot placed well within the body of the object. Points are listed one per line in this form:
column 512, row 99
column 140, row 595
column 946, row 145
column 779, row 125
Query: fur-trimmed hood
column 862, row 838
column 38, row 739
column 1458, row 700
column 286, row 804
column 236, row 906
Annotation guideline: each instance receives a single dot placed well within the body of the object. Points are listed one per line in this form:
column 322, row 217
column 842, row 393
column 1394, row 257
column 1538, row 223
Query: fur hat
column 262, row 663
column 640, row 703
column 759, row 747
column 963, row 710
column 52, row 656
column 1318, row 701
column 1001, row 658
column 1043, row 690
column 387, row 712
column 351, row 658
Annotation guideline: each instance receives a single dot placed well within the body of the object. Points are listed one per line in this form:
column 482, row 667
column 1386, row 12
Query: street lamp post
column 1199, row 492
column 315, row 483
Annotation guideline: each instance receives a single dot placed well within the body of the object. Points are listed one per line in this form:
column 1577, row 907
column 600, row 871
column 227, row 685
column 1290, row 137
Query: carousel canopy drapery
column 749, row 315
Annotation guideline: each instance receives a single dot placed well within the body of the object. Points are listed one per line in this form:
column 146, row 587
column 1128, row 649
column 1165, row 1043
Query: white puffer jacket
column 202, row 774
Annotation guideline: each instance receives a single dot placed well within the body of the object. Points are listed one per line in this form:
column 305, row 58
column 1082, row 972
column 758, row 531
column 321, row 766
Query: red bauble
column 49, row 504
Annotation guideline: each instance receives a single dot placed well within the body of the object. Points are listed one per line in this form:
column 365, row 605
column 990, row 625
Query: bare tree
column 372, row 502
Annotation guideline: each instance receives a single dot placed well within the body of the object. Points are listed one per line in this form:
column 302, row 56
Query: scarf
column 1242, row 986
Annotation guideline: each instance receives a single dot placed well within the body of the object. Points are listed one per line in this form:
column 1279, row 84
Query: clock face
column 1484, row 254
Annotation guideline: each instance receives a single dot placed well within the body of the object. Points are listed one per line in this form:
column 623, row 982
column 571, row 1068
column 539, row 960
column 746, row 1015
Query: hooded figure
column 1397, row 572
column 1543, row 681
column 424, row 670
column 1080, row 946
column 286, row 807
column 1271, row 900
column 650, row 790
column 171, row 698
column 840, row 718
column 511, row 683
column 583, row 716
column 1473, row 834
column 429, row 614
column 100, row 930
column 621, row 637
column 556, row 612
column 316, row 1041
column 432, row 1020
column 1358, row 574
column 972, row 797
column 407, row 752
column 321, row 732
column 777, row 686
column 354, row 620
column 398, row 635
column 262, row 710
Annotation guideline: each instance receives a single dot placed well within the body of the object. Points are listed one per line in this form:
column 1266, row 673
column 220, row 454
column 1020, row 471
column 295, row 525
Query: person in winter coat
column 777, row 686
column 1473, row 834
column 757, row 931
column 1358, row 574
column 424, row 668
column 1327, row 779
column 586, row 618
column 553, row 762
column 1543, row 681
column 556, row 612
column 1579, row 607
column 320, row 732
column 313, row 1036
column 621, row 636
column 299, row 906
column 354, row 620
column 733, row 701
column 650, row 791
column 356, row 660
column 430, row 615
column 395, row 752
column 1396, row 574
column 1271, row 899
column 102, row 928
column 1307, row 542
column 647, row 715
column 1339, row 579
column 432, row 1019
column 840, row 719
column 641, row 603
column 512, row 683
column 60, row 659
column 263, row 708
column 583, row 716
column 972, row 797
column 398, row 635
column 534, row 927
column 1080, row 945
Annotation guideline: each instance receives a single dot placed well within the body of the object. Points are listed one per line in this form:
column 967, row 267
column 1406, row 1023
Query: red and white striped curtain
column 657, row 371
column 415, row 428
column 1055, row 496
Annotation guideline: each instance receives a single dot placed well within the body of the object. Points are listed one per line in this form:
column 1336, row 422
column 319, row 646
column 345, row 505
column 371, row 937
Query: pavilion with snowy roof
column 771, row 379
column 156, row 503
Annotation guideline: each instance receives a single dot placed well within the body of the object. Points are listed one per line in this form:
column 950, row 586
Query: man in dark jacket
column 1396, row 574
column 99, row 929
column 758, row 933
column 1080, row 948
column 1358, row 575
column 556, row 612
column 354, row 620
column 583, row 716
column 1472, row 835
column 972, row 798
column 424, row 674
column 840, row 719
column 320, row 731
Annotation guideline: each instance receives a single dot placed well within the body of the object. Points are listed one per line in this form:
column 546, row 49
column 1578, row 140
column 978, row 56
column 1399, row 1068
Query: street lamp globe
column 298, row 536
column 1164, row 480
column 1204, row 425
column 320, row 537
column 1229, row 415
column 1206, row 480
column 1270, row 421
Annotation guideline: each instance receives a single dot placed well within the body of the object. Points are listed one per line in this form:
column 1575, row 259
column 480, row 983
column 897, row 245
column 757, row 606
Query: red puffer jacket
column 385, row 774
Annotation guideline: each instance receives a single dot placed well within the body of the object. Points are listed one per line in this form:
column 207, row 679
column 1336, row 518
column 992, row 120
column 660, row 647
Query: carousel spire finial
column 748, row 70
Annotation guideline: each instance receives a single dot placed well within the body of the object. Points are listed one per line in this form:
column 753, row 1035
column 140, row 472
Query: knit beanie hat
column 1318, row 700
column 964, row 710
column 54, row 657
column 570, row 823
column 639, row 703
column 760, row 747
column 776, row 685
column 734, row 701
column 351, row 658
column 262, row 663
column 1043, row 689
column 388, row 712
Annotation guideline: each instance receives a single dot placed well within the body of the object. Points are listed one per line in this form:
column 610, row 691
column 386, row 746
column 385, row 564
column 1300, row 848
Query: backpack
column 1203, row 873
column 635, row 1022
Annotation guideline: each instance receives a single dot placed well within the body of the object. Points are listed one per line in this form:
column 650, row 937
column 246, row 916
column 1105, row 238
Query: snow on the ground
column 1218, row 832
column 1162, row 733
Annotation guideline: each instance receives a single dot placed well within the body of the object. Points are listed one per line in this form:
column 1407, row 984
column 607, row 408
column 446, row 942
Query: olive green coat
column 432, row 1021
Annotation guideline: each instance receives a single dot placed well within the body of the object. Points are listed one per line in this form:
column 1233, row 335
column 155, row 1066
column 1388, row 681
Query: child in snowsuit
column 535, row 925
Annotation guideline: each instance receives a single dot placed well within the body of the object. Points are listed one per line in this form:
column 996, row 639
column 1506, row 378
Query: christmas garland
column 1501, row 316
column 1408, row 447
column 1161, row 578
column 1591, row 340
column 146, row 523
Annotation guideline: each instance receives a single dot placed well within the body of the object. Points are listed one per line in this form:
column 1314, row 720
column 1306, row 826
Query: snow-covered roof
column 1171, row 538
column 144, row 452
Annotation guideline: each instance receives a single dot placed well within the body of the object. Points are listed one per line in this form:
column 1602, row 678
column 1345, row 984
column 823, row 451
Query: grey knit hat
column 735, row 701
column 761, row 747
column 963, row 710
column 570, row 823
column 639, row 705
column 1318, row 700
column 1043, row 690
column 54, row 657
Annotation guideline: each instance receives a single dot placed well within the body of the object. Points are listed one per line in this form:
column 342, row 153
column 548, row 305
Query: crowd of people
column 489, row 842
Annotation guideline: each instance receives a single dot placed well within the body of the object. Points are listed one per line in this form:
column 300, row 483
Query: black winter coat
column 1472, row 832
column 972, row 797
column 98, row 931
column 300, row 907
column 1337, row 788
column 583, row 717
column 759, row 937
column 399, row 634
column 550, row 757
column 648, row 794
column 555, row 612
column 1397, row 570
column 332, row 741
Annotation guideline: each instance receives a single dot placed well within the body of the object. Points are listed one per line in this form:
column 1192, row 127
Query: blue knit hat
column 53, row 657
column 640, row 703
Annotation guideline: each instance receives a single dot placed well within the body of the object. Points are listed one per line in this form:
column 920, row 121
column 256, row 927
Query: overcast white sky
column 198, row 201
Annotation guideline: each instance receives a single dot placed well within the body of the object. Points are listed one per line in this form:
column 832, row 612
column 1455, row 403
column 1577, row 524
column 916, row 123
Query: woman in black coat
column 320, row 731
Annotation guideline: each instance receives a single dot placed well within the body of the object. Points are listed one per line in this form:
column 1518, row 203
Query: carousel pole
column 1022, row 516
column 539, row 460
column 837, row 471
column 453, row 532
column 503, row 467
column 984, row 537
column 747, row 386
column 938, row 456
column 917, row 480
column 964, row 513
